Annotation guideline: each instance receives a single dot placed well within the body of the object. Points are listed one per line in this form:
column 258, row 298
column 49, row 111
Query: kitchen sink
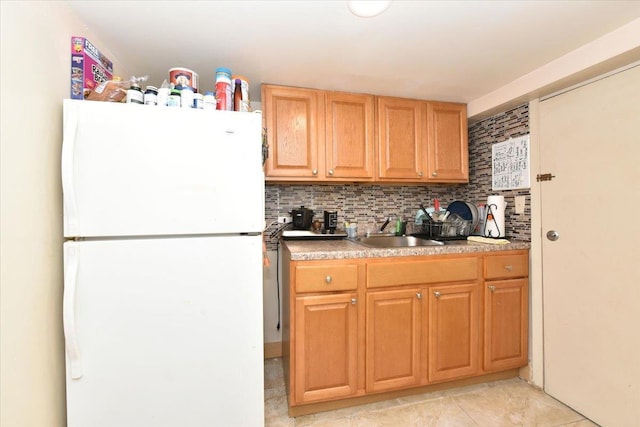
column 395, row 242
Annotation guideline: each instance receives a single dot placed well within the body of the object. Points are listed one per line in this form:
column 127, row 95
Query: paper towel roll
column 494, row 223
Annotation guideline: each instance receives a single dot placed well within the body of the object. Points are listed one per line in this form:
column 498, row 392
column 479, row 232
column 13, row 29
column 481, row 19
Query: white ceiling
column 440, row 50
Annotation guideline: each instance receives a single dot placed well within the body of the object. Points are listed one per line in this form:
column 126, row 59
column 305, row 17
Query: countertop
column 305, row 250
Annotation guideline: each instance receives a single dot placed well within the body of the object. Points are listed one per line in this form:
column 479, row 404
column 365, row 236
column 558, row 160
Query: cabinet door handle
column 353, row 301
column 434, row 174
column 328, row 279
column 330, row 171
column 491, row 288
column 437, row 294
column 419, row 295
column 315, row 171
column 420, row 174
column 508, row 267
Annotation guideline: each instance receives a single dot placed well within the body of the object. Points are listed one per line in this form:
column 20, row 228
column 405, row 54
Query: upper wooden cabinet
column 323, row 136
column 294, row 132
column 349, row 136
column 447, row 144
column 315, row 135
column 401, row 139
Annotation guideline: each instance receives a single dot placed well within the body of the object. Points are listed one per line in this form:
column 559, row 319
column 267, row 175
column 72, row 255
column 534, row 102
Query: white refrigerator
column 162, row 313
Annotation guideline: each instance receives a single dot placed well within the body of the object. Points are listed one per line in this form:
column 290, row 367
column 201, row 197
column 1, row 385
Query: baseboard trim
column 272, row 350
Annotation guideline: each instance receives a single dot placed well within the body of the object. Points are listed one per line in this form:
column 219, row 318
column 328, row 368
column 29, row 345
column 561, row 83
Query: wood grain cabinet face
column 400, row 139
column 349, row 140
column 421, row 321
column 506, row 317
column 294, row 132
column 393, row 339
column 454, row 325
column 319, row 136
column 447, row 142
column 326, row 277
column 325, row 136
column 506, row 266
column 506, row 311
column 325, row 347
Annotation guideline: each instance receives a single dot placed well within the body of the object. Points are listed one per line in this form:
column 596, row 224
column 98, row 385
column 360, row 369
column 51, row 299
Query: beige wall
column 35, row 63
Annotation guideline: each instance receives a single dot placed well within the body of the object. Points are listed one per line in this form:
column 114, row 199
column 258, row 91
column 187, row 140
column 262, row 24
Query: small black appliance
column 330, row 222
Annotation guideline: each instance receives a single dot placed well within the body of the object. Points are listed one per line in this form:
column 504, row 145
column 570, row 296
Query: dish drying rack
column 447, row 230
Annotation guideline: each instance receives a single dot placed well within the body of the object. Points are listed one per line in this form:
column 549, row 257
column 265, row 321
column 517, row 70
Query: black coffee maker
column 330, row 222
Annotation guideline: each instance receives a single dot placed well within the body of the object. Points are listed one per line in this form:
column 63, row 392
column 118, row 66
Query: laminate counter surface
column 304, row 250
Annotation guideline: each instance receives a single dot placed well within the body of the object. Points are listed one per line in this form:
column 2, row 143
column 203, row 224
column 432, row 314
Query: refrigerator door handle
column 68, row 310
column 67, row 170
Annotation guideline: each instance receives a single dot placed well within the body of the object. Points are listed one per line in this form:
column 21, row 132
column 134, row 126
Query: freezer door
column 164, row 332
column 134, row 170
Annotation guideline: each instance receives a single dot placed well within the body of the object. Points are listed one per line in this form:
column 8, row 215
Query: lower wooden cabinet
column 454, row 325
column 393, row 339
column 506, row 315
column 367, row 326
column 326, row 329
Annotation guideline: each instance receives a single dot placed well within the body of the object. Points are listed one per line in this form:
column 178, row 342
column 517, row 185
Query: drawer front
column 421, row 272
column 506, row 266
column 326, row 278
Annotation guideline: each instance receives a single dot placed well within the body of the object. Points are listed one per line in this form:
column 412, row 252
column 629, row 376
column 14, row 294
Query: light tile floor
column 510, row 402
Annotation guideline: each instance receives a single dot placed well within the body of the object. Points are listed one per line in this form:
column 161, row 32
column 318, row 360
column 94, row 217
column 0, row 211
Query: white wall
column 35, row 62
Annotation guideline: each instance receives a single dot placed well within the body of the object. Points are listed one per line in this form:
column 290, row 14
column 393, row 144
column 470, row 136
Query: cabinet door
column 325, row 347
column 448, row 150
column 393, row 339
column 453, row 331
column 294, row 131
column 349, row 136
column 401, row 139
column 506, row 319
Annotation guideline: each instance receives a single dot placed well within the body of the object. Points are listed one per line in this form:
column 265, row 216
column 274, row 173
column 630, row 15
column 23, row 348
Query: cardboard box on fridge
column 89, row 67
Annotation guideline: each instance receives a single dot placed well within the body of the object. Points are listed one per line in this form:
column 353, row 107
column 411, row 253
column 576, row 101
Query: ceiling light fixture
column 368, row 8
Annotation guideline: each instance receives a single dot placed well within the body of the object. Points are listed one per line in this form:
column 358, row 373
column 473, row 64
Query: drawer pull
column 437, row 294
column 419, row 295
column 328, row 279
column 491, row 288
column 508, row 267
column 353, row 301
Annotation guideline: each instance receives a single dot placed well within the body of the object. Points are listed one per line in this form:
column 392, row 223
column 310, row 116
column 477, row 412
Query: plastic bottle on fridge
column 241, row 81
column 223, row 89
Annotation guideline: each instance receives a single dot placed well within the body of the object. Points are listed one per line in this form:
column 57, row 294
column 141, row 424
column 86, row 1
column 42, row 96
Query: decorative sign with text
column 510, row 164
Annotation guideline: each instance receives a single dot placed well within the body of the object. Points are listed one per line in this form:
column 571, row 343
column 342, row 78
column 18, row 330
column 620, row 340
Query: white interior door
column 590, row 141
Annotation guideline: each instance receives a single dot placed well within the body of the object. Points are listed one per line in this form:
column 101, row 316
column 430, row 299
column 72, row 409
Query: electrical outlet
column 284, row 219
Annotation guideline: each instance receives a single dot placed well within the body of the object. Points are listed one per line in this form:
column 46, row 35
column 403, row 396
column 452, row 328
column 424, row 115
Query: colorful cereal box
column 88, row 67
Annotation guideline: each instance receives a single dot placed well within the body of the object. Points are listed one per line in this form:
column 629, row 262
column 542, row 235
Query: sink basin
column 395, row 242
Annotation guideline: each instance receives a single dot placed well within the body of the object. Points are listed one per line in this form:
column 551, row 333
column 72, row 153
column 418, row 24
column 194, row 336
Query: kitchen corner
column 365, row 203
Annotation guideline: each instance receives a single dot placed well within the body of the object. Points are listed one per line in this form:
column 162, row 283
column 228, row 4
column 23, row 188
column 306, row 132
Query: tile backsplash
column 368, row 204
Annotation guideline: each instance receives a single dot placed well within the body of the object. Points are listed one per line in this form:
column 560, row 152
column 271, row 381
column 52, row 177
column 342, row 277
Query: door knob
column 553, row 235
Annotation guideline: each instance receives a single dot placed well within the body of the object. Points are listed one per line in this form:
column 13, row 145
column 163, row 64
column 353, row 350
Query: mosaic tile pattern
column 371, row 204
